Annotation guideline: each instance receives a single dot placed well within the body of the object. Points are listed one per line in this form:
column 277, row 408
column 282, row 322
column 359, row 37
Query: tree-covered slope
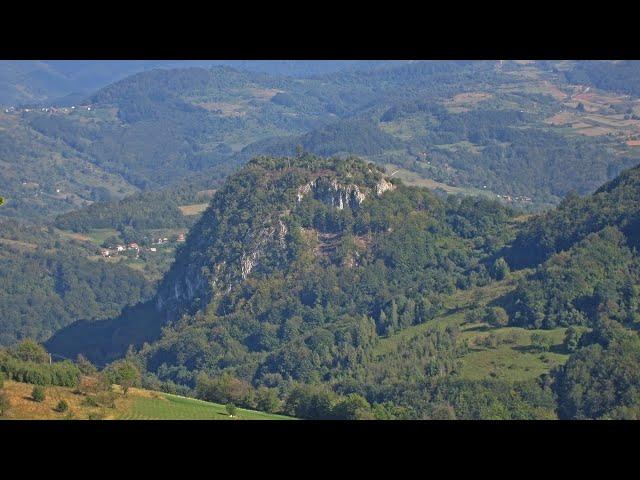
column 48, row 282
column 617, row 203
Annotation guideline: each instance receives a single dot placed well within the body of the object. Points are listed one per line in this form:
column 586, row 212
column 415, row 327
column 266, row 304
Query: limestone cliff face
column 200, row 277
column 339, row 195
column 205, row 269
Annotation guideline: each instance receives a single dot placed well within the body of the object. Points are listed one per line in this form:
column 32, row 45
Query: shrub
column 497, row 317
column 572, row 339
column 64, row 374
column 38, row 394
column 267, row 400
column 31, row 351
column 231, row 409
column 85, row 366
column 541, row 342
column 90, row 402
column 124, row 373
column 500, row 269
column 106, row 399
column 1, row 380
column 62, row 406
column 490, row 341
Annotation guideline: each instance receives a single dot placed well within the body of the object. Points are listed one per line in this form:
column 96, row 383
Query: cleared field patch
column 595, row 131
column 24, row 408
column 224, row 108
column 414, row 179
column 193, row 209
column 562, row 118
column 461, row 146
column 617, row 121
column 74, row 235
column 264, row 93
column 463, row 102
column 551, row 89
column 18, row 244
column 96, row 236
column 406, row 128
column 515, row 359
column 205, row 194
column 454, row 306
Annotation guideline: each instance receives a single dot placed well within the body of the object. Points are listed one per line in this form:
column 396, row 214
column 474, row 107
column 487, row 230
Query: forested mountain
column 309, row 213
column 325, row 281
column 616, row 204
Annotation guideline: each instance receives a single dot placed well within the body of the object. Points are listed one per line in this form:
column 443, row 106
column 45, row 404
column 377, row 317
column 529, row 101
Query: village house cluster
column 121, row 249
column 509, row 198
column 47, row 109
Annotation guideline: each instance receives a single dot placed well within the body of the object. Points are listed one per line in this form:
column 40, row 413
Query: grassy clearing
column 18, row 244
column 414, row 179
column 514, row 358
column 24, row 408
column 139, row 404
column 194, row 209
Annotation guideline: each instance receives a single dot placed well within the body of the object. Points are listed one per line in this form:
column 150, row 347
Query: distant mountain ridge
column 35, row 82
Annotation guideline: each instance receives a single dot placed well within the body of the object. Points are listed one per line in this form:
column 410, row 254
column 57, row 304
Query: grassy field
column 164, row 406
column 515, row 359
column 137, row 405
